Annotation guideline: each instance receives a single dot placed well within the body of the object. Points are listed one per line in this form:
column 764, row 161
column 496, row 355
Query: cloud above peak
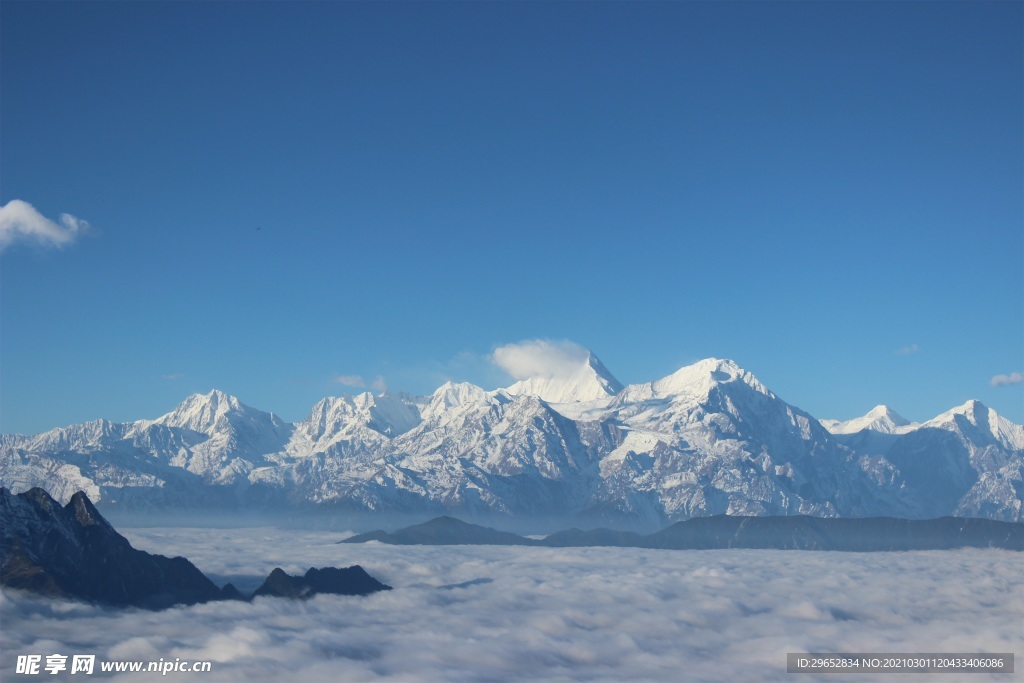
column 21, row 222
column 357, row 382
column 546, row 358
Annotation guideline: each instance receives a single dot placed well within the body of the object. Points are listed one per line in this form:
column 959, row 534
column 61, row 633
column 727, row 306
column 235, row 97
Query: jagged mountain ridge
column 73, row 552
column 708, row 439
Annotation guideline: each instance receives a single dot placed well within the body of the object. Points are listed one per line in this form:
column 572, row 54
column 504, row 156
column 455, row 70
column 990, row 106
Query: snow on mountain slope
column 880, row 419
column 354, row 420
column 510, row 452
column 217, row 415
column 984, row 422
column 238, row 438
column 707, row 439
column 969, row 460
column 473, row 450
column 589, row 381
column 712, row 439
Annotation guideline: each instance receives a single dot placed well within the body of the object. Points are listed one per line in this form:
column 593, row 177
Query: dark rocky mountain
column 443, row 531
column 795, row 532
column 73, row 552
column 330, row 580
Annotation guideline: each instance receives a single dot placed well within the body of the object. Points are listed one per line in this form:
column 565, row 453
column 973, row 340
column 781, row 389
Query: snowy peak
column 204, row 412
column 880, row 419
column 975, row 414
column 392, row 414
column 385, row 413
column 452, row 394
column 217, row 414
column 694, row 383
column 589, row 381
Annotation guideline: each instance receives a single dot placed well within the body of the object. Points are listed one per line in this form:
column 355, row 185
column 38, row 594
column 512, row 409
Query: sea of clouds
column 483, row 613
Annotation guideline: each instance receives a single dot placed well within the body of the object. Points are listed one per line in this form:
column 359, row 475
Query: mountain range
column 709, row 439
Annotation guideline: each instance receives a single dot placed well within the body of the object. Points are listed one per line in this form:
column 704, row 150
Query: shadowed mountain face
column 330, row 580
column 73, row 552
column 798, row 532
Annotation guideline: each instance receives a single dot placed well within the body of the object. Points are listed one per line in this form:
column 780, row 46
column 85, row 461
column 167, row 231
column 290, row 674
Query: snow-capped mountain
column 966, row 462
column 707, row 439
column 880, row 419
column 590, row 381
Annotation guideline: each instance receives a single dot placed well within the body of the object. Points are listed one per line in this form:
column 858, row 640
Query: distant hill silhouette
column 795, row 532
column 331, row 580
column 443, row 531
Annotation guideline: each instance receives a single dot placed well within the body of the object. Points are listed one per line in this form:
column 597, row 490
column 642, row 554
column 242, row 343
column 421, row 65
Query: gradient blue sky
column 831, row 194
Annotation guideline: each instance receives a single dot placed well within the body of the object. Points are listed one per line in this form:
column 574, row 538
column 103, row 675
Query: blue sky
column 281, row 194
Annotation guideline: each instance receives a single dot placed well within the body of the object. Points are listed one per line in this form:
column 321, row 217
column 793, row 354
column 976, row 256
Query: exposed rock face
column 71, row 551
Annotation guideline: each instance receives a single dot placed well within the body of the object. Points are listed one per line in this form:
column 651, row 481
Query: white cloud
column 357, row 382
column 20, row 222
column 907, row 350
column 1007, row 380
column 540, row 358
column 593, row 614
column 170, row 377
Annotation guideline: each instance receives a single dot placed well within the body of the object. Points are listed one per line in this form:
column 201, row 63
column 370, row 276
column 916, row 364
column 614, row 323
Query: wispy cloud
column 907, row 350
column 171, row 376
column 1007, row 380
column 540, row 358
column 20, row 222
column 357, row 382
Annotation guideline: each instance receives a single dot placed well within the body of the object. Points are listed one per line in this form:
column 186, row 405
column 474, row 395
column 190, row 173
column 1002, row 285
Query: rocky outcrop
column 71, row 551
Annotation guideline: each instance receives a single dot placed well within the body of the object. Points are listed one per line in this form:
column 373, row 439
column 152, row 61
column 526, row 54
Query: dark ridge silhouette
column 329, row 580
column 443, row 531
column 872, row 534
column 797, row 532
column 73, row 552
